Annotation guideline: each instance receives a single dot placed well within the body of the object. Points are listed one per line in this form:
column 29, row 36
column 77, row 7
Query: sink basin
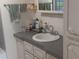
column 45, row 37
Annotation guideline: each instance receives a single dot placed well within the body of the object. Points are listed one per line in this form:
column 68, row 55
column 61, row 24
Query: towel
column 14, row 12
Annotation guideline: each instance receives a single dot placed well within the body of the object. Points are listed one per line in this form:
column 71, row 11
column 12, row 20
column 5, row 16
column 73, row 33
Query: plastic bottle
column 34, row 24
column 37, row 23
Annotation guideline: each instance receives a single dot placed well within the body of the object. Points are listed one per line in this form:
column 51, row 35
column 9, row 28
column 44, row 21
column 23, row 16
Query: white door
column 71, row 36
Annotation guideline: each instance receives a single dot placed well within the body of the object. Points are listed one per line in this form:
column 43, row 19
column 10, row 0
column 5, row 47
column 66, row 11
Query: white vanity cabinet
column 27, row 55
column 20, row 48
column 29, row 51
column 28, row 47
column 36, row 52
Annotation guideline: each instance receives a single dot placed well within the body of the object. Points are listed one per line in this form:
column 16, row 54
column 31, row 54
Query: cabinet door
column 39, row 53
column 20, row 49
column 28, row 47
column 28, row 56
column 50, row 56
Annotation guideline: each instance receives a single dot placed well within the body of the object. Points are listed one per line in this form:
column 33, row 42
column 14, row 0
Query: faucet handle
column 51, row 28
column 56, row 33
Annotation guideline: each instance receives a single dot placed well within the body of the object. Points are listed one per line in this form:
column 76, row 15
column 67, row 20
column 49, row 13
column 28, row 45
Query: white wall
column 26, row 18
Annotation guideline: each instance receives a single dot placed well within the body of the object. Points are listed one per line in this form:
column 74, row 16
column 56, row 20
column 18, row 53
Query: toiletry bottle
column 33, row 24
column 40, row 26
column 30, row 27
column 37, row 23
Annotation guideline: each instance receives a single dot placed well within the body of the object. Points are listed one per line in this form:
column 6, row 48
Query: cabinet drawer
column 28, row 56
column 39, row 53
column 28, row 47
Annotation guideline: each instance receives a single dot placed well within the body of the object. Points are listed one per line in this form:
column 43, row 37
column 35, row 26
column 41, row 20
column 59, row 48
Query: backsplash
column 57, row 22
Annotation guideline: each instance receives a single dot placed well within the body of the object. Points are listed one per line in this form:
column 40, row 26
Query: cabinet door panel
column 39, row 53
column 28, row 56
column 20, row 49
column 28, row 47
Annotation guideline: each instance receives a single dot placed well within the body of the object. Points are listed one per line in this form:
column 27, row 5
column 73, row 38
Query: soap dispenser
column 37, row 23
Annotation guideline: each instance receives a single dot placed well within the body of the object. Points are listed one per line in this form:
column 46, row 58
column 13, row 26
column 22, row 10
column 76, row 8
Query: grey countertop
column 54, row 48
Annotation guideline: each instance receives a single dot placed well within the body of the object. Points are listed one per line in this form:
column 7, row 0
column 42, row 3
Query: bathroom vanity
column 29, row 49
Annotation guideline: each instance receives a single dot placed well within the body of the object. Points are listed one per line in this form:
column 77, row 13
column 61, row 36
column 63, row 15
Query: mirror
column 51, row 5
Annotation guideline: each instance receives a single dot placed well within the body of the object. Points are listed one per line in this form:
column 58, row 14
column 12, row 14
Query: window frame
column 53, row 9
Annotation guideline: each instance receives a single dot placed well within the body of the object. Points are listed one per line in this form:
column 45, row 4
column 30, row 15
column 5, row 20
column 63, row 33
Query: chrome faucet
column 48, row 29
column 51, row 28
column 52, row 31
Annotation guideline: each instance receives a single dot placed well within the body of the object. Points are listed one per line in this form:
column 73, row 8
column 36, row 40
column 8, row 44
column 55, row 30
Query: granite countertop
column 54, row 48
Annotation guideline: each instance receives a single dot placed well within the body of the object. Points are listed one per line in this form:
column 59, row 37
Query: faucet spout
column 51, row 28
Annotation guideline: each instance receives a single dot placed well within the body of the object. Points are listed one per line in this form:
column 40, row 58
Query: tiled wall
column 26, row 18
column 57, row 22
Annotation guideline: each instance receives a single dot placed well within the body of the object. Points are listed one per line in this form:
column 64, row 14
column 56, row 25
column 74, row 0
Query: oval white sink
column 45, row 37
